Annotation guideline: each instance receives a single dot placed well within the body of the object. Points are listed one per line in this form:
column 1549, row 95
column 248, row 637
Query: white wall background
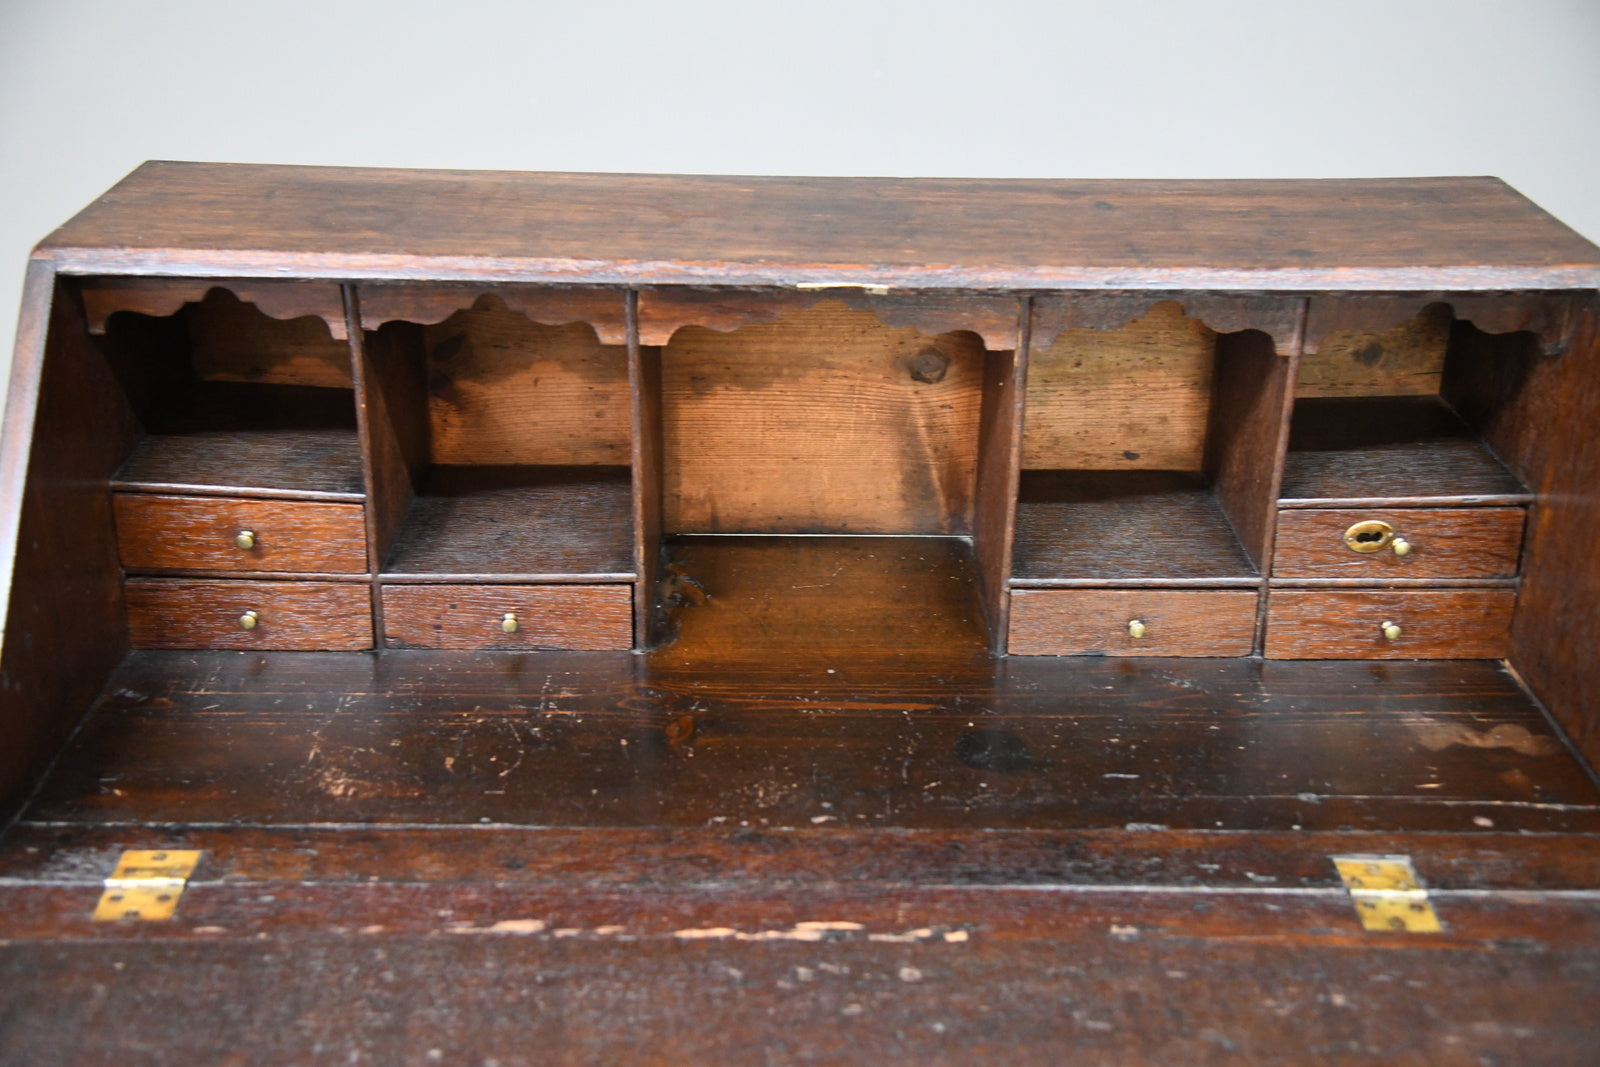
column 1087, row 88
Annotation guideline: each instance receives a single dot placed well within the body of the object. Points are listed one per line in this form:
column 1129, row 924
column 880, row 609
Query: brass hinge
column 1387, row 893
column 146, row 884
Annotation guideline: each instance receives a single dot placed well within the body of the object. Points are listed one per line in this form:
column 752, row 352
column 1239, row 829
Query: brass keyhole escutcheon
column 1368, row 536
column 508, row 624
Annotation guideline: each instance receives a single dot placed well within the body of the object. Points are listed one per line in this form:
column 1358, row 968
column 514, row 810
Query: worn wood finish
column 1370, row 450
column 1134, row 398
column 1114, row 526
column 644, row 410
column 504, row 391
column 519, row 522
column 1246, row 436
column 1549, row 316
column 826, row 422
column 1094, row 622
column 1277, row 316
column 1445, row 543
column 158, row 532
column 1347, row 624
column 104, row 296
column 1409, row 233
column 1005, row 376
column 595, row 617
column 173, row 613
column 391, row 395
column 431, row 303
column 809, row 600
column 1403, row 360
column 233, row 341
column 300, row 464
column 63, row 630
column 664, row 311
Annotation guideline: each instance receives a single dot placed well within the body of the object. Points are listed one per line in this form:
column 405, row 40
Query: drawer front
column 308, row 616
column 1349, row 624
column 592, row 617
column 1437, row 543
column 164, row 533
column 1075, row 622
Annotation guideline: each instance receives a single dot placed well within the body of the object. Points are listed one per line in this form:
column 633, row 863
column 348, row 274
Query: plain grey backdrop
column 1116, row 88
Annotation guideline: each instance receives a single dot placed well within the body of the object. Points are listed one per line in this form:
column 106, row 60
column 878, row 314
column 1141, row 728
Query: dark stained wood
column 302, row 464
column 1247, row 435
column 1118, row 525
column 645, row 457
column 63, row 630
column 1350, row 450
column 1403, row 233
column 104, row 296
column 168, row 613
column 433, row 302
column 1347, row 624
column 664, row 311
column 824, row 422
column 1349, row 360
column 233, row 341
column 596, row 617
column 1550, row 432
column 504, row 391
column 1277, row 316
column 392, row 402
column 1077, row 622
column 824, row 600
column 1550, row 316
column 917, row 741
column 1133, row 398
column 157, row 533
column 1005, row 378
column 519, row 523
column 1445, row 543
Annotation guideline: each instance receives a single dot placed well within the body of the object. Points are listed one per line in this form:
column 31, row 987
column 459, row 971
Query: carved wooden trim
column 993, row 317
column 602, row 308
column 1549, row 315
column 1276, row 316
column 278, row 299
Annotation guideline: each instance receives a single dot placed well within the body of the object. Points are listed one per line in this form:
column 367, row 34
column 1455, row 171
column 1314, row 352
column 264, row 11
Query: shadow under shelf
column 517, row 524
column 1077, row 527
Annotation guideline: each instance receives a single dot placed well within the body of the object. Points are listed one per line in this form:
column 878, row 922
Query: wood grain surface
column 172, row 613
column 1347, row 624
column 144, row 295
column 1123, row 525
column 1094, row 622
column 230, row 340
column 158, row 532
column 433, row 302
column 306, row 464
column 1406, row 359
column 505, row 391
column 1403, row 233
column 1135, row 398
column 1445, row 543
column 999, row 472
column 470, row 616
column 825, row 422
column 1247, row 436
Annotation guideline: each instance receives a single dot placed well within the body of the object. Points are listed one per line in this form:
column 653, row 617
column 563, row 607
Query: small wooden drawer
column 202, row 533
column 307, row 616
column 1350, row 623
column 1103, row 622
column 591, row 617
column 1433, row 542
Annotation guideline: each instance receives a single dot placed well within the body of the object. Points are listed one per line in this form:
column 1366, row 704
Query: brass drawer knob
column 245, row 539
column 1391, row 632
column 249, row 620
column 509, row 623
column 1401, row 546
column 1136, row 628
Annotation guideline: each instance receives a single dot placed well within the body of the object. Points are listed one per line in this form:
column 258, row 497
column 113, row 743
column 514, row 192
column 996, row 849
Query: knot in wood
column 929, row 366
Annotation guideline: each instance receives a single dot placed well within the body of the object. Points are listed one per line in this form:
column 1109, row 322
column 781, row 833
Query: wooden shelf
column 304, row 464
column 1110, row 527
column 1358, row 451
column 517, row 524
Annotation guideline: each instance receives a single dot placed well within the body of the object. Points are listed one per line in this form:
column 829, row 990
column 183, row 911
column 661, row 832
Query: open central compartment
column 824, row 466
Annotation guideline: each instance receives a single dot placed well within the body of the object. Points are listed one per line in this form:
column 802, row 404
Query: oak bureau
column 280, row 410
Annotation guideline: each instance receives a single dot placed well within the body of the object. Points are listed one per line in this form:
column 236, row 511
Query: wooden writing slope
column 695, row 556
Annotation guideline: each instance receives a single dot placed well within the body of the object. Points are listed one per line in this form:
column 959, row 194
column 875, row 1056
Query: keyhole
column 1369, row 537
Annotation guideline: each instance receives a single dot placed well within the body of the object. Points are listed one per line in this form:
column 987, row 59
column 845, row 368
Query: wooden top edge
column 1390, row 234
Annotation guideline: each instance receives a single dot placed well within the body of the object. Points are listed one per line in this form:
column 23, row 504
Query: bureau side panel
column 64, row 625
